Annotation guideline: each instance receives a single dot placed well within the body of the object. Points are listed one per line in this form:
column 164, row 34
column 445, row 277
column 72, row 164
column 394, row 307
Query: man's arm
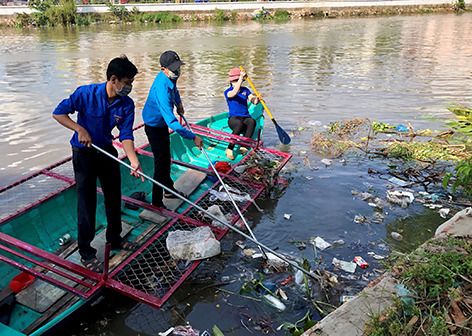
column 128, row 146
column 127, row 139
column 84, row 137
column 69, row 106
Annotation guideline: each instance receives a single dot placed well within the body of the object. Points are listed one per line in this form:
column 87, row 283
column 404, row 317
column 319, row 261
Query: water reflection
column 390, row 68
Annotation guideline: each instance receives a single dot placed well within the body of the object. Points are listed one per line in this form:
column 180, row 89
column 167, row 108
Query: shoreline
column 379, row 297
column 235, row 11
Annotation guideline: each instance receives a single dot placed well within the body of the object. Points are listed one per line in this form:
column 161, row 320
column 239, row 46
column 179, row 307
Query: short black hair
column 121, row 67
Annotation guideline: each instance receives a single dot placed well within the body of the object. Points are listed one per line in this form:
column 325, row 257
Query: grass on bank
column 436, row 299
column 64, row 13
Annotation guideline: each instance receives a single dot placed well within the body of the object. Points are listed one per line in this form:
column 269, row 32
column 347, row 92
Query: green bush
column 459, row 5
column 219, row 15
column 50, row 13
column 281, row 15
column 118, row 12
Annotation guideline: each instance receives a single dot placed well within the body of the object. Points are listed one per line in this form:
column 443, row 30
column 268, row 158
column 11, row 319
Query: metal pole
column 281, row 256
column 227, row 192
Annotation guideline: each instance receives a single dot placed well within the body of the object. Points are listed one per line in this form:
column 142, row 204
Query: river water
column 393, row 69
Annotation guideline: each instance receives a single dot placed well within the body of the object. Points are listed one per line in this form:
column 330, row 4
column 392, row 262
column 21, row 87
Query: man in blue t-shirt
column 100, row 108
column 237, row 97
column 158, row 117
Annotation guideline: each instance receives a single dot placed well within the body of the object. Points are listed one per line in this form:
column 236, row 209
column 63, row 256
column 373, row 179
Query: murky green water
column 395, row 69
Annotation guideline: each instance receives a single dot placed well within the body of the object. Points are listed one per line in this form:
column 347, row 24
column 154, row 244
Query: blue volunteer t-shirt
column 158, row 110
column 238, row 104
column 97, row 115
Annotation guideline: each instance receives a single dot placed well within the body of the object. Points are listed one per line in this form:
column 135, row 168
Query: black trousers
column 89, row 164
column 160, row 145
column 241, row 125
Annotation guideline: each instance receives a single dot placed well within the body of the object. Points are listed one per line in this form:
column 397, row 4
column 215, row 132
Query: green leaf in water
column 216, row 331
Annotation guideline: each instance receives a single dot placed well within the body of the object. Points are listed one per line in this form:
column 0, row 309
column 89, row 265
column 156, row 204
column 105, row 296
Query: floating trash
column 320, row 243
column 396, row 236
column 444, row 212
column 274, row 302
column 327, row 162
column 400, row 197
column 376, row 256
column 346, row 298
column 398, row 182
column 346, row 266
column 287, row 216
column 359, row 219
column 360, row 262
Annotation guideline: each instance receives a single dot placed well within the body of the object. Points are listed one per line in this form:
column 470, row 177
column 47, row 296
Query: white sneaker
column 229, row 154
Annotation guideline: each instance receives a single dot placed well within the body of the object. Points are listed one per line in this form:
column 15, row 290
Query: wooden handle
column 251, row 84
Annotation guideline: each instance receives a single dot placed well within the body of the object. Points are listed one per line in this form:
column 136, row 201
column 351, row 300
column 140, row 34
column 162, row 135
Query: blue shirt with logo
column 97, row 115
column 158, row 110
column 238, row 104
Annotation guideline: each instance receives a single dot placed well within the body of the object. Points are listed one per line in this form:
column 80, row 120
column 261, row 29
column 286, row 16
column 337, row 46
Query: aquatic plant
column 463, row 124
column 462, row 177
column 300, row 326
column 430, row 151
column 381, row 126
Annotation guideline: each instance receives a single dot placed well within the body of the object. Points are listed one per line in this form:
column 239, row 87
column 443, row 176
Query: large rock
column 458, row 226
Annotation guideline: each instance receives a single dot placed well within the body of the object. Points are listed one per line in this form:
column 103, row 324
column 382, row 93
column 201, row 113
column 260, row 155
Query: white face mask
column 174, row 75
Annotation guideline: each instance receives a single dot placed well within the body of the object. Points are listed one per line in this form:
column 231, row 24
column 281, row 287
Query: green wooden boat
column 38, row 252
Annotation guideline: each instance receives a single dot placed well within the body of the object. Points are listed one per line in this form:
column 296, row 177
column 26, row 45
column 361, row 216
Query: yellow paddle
column 283, row 136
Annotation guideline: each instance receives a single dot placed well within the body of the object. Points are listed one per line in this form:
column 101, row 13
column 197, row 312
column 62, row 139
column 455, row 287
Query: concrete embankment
column 193, row 11
column 351, row 317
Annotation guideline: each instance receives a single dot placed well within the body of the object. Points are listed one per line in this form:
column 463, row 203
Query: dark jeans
column 241, row 125
column 89, row 164
column 160, row 145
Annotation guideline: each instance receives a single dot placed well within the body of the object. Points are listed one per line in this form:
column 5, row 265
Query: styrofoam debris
column 396, row 236
column 444, row 212
column 320, row 243
column 287, row 216
column 359, row 219
column 327, row 162
column 400, row 197
column 376, row 256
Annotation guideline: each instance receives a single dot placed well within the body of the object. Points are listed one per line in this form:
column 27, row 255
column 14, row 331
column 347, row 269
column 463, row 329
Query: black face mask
column 124, row 91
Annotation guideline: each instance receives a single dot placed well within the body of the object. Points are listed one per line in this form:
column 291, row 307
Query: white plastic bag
column 199, row 243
